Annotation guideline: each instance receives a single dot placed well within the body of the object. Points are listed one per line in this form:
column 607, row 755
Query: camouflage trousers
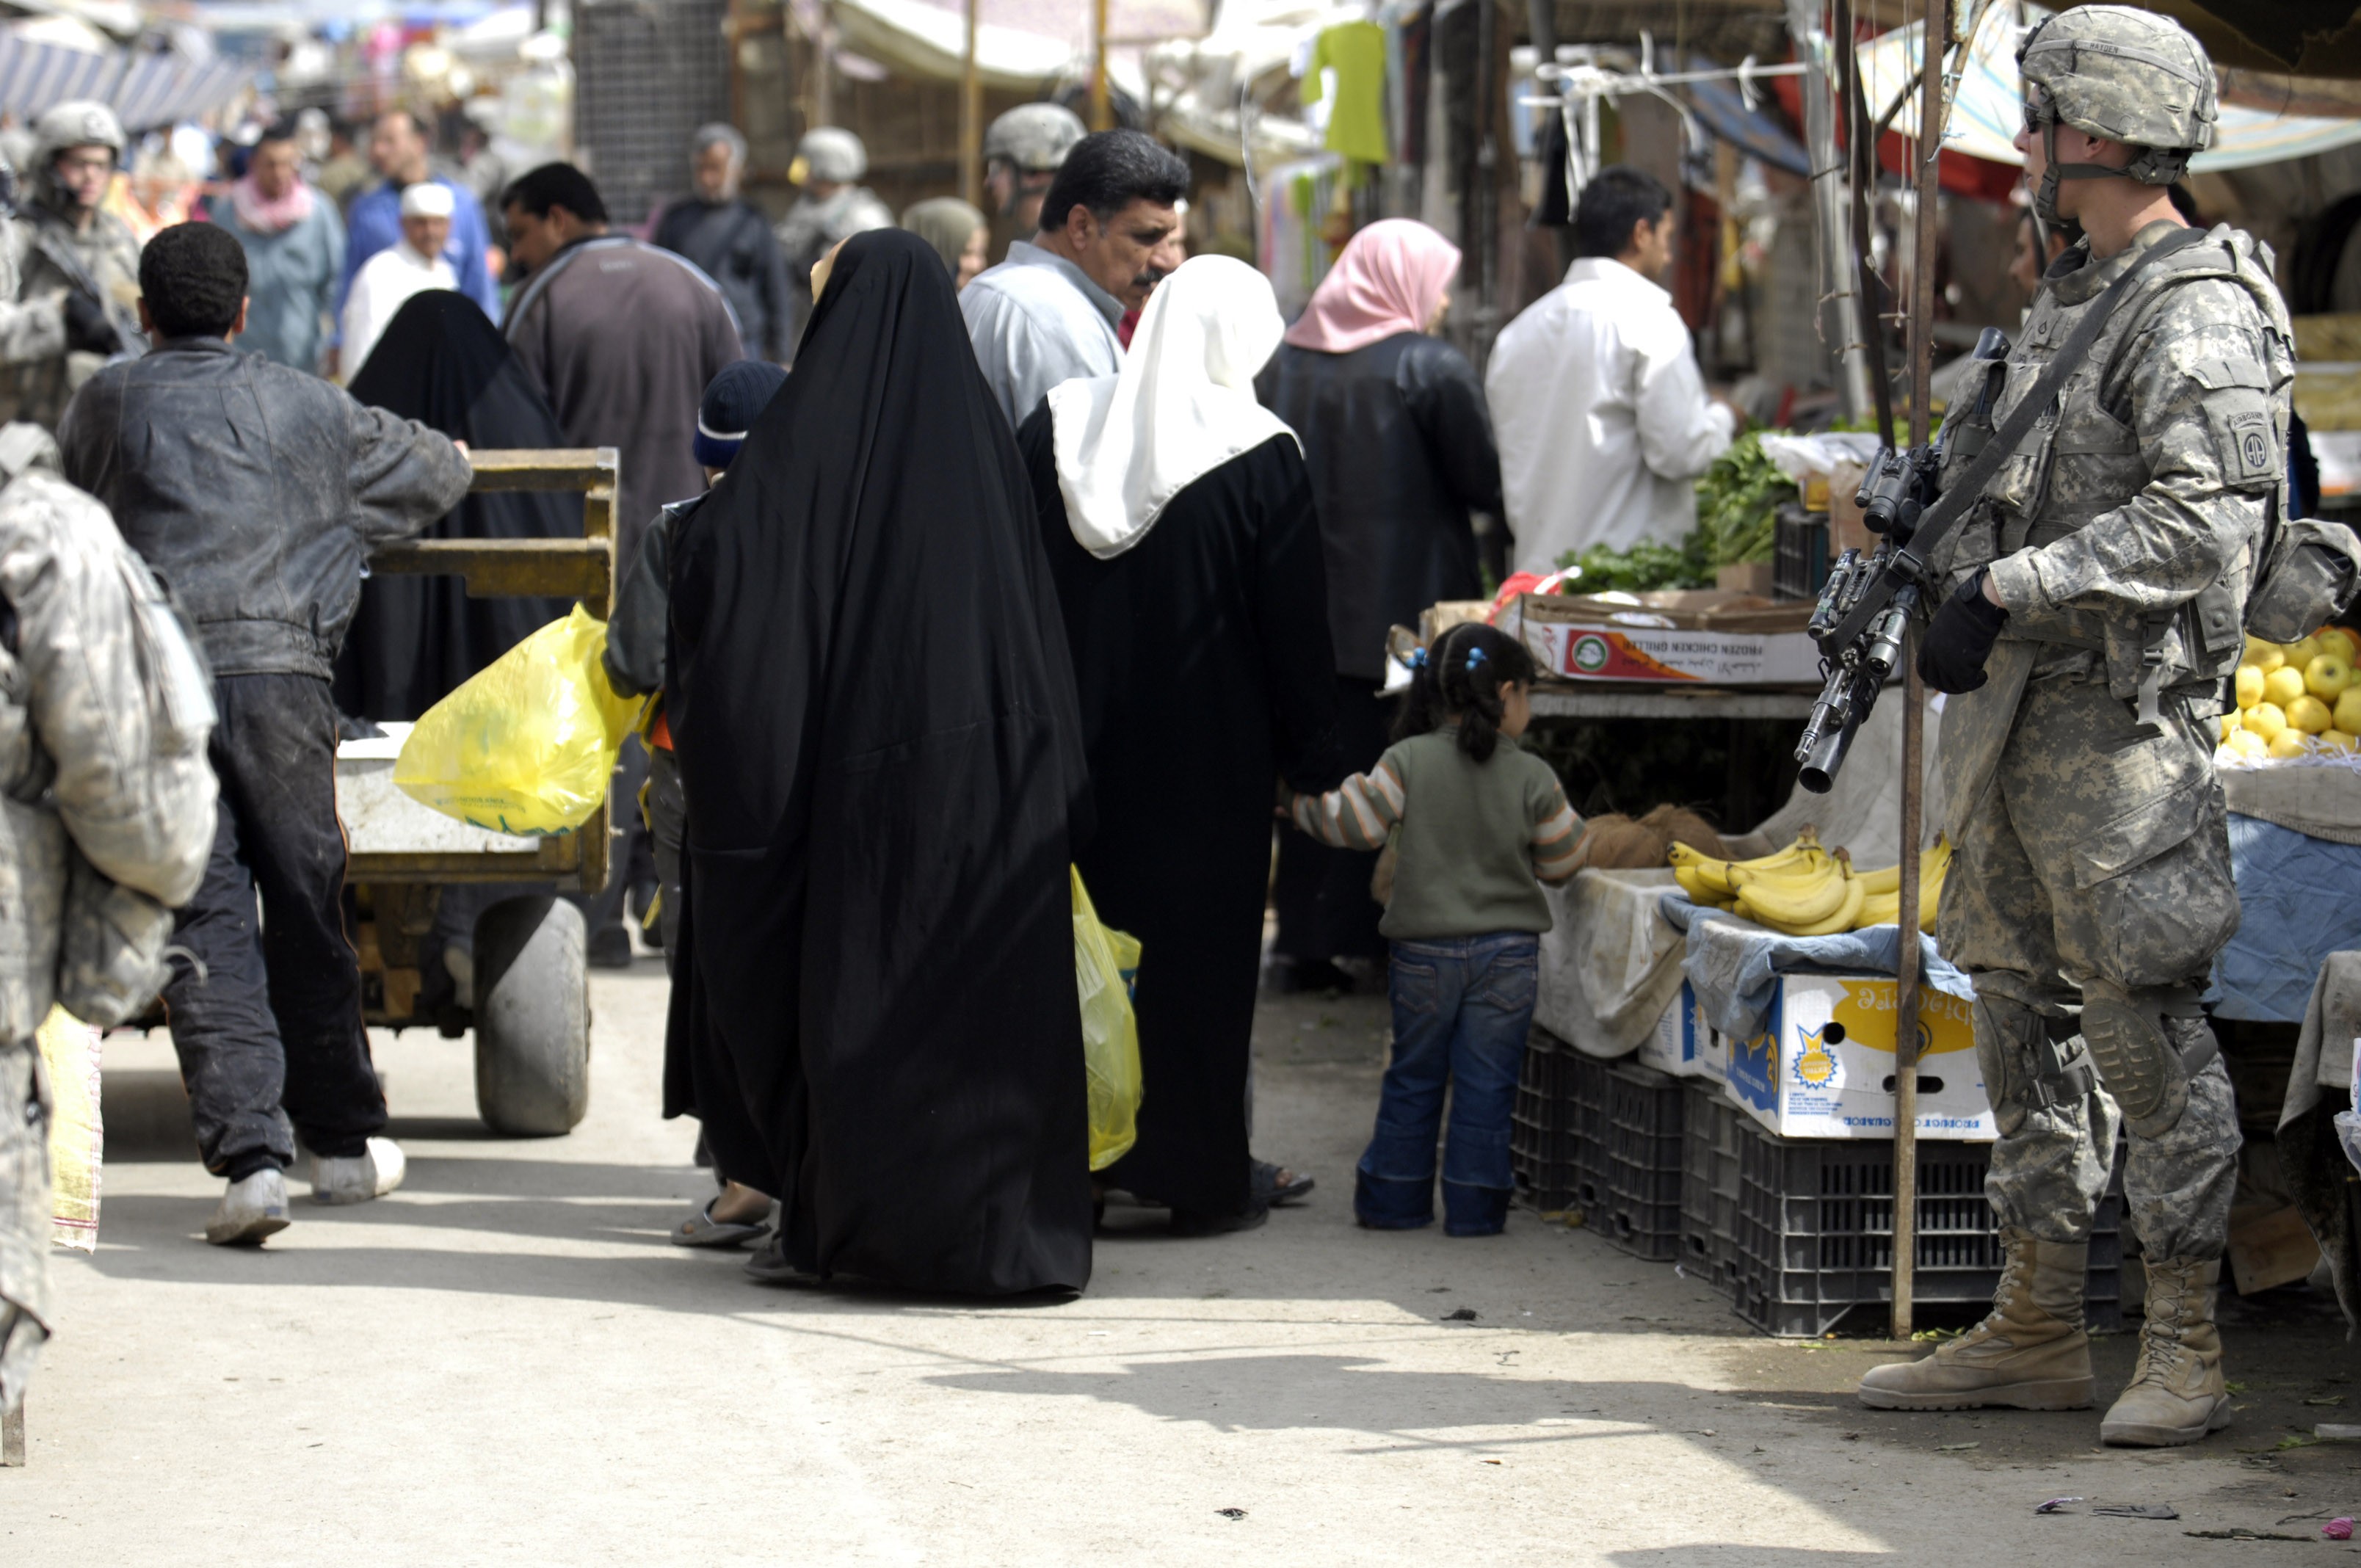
column 24, row 1216
column 2096, row 866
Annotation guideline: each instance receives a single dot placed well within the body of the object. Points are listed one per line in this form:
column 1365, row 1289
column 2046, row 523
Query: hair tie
column 1475, row 657
column 1417, row 658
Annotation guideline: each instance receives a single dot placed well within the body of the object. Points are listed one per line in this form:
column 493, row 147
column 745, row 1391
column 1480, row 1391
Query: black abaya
column 415, row 638
column 874, row 717
column 1203, row 660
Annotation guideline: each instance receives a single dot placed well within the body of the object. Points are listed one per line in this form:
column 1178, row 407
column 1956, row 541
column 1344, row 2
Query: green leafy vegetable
column 1738, row 501
column 1647, row 565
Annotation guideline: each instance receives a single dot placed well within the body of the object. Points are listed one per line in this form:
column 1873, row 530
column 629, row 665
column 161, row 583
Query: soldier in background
column 1022, row 153
column 81, row 706
column 834, row 206
column 2099, row 595
column 65, row 248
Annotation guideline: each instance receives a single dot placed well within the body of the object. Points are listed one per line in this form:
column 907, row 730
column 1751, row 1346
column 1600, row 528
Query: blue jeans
column 1463, row 1006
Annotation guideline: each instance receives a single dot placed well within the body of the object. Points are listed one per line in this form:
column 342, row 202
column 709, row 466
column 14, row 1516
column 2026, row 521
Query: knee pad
column 2028, row 1059
column 2146, row 1043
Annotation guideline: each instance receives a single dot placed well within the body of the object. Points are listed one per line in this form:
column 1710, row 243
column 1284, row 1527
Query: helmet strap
column 2045, row 199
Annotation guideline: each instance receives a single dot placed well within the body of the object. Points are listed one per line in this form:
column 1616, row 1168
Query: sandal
column 1278, row 1187
column 701, row 1229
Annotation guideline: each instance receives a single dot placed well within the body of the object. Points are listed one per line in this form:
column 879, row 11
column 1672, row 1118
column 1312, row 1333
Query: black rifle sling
column 1903, row 565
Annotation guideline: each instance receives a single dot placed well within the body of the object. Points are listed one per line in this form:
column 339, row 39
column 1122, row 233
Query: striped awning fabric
column 144, row 89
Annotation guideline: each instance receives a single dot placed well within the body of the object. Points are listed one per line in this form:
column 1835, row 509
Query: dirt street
column 506, row 1363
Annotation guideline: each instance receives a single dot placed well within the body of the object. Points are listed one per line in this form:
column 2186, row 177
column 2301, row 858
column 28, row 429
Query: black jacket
column 256, row 492
column 641, row 621
column 732, row 242
column 1397, row 442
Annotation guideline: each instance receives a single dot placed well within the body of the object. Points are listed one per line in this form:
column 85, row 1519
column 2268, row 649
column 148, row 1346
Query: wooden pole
column 1860, row 167
column 970, row 118
column 1929, row 153
column 1102, row 109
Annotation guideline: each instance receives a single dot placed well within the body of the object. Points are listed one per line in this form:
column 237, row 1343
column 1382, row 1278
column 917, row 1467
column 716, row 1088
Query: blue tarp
column 2300, row 899
column 1734, row 965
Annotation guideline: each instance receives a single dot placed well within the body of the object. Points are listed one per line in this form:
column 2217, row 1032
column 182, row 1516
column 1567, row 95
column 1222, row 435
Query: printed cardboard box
column 1577, row 638
column 1824, row 1067
column 1681, row 1043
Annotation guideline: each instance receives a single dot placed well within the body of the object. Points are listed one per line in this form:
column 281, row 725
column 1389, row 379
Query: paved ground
column 506, row 1364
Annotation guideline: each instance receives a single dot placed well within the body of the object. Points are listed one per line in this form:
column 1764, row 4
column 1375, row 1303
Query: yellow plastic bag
column 1105, row 964
column 527, row 744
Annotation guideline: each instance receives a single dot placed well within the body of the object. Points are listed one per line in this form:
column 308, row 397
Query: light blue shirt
column 375, row 224
column 1035, row 320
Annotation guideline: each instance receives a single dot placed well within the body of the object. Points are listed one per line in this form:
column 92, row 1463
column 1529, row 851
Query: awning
column 1989, row 108
column 146, row 90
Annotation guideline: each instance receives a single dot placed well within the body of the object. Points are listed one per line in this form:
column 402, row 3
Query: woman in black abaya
column 442, row 363
column 875, row 717
column 1180, row 530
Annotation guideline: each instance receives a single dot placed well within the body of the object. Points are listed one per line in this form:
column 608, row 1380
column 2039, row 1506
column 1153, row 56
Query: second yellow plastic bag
column 526, row 745
column 1106, row 963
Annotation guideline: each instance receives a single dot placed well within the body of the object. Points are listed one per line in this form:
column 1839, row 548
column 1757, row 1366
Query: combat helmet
column 830, row 155
column 1033, row 139
column 2129, row 75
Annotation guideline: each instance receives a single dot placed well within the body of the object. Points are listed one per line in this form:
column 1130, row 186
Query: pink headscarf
column 1389, row 281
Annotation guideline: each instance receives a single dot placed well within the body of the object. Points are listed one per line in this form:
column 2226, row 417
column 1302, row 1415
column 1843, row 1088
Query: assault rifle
column 1865, row 607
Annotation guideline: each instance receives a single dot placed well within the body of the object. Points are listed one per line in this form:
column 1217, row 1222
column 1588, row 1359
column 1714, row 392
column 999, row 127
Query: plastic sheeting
column 2296, row 904
column 1734, row 965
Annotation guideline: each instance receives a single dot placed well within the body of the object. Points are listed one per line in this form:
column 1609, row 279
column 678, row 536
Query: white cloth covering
column 383, row 285
column 1602, row 417
column 1182, row 405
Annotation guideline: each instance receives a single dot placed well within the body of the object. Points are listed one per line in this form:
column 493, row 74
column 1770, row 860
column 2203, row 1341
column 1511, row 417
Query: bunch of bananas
column 1806, row 891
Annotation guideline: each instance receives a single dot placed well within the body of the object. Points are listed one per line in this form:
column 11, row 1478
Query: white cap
column 427, row 199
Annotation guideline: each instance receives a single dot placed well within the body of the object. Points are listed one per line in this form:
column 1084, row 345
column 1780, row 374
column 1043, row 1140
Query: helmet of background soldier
column 2127, row 75
column 1033, row 139
column 80, row 123
column 829, row 155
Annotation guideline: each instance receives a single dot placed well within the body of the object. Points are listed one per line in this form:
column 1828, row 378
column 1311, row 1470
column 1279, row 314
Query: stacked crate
column 1541, row 1141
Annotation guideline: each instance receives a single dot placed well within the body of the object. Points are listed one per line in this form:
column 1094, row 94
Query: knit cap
column 732, row 401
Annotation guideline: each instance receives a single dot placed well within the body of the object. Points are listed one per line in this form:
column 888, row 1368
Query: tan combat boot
column 2030, row 1353
column 2175, row 1394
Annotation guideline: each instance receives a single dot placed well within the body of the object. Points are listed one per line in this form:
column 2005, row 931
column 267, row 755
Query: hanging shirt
column 1035, row 320
column 1356, row 51
column 1602, row 417
column 383, row 285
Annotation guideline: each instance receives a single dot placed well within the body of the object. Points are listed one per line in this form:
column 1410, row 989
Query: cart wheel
column 533, row 1017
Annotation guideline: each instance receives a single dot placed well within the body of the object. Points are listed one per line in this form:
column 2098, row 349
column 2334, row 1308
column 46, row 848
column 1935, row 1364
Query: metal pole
column 1101, row 112
column 1827, row 206
column 1484, row 209
column 1914, row 707
column 970, row 118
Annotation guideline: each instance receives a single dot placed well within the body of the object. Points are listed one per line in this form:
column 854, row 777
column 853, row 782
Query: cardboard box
column 1682, row 1044
column 1824, row 1067
column 1580, row 637
column 1745, row 577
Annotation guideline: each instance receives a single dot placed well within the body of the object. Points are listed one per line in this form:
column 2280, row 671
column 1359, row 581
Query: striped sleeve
column 1557, row 831
column 1356, row 814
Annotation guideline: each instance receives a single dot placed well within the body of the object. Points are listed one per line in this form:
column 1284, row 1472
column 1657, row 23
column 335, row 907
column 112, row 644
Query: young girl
column 1479, row 822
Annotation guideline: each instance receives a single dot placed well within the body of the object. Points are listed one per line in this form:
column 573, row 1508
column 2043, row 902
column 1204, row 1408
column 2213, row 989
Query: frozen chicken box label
column 1641, row 654
column 1824, row 1067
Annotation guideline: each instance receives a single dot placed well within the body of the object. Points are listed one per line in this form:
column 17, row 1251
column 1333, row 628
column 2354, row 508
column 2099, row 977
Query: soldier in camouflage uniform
column 834, row 207
column 1022, row 154
column 71, row 256
column 91, row 762
column 2099, row 595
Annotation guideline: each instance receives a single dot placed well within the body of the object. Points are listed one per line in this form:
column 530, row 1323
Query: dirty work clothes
column 273, row 1033
column 1462, row 1008
column 24, row 1216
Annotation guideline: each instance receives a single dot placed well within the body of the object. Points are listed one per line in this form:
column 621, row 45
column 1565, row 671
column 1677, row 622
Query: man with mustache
column 1049, row 313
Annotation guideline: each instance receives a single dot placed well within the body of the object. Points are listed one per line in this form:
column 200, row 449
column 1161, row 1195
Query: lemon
column 2247, row 743
column 2338, row 740
column 2289, row 743
column 2265, row 720
column 2327, row 674
column 2284, row 684
column 2250, row 685
column 2308, row 713
column 2351, row 645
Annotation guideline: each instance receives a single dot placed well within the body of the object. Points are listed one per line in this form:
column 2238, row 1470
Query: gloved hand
column 1952, row 657
column 87, row 327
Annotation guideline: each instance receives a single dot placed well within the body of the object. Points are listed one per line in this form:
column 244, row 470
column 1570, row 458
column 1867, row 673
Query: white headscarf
column 1182, row 405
